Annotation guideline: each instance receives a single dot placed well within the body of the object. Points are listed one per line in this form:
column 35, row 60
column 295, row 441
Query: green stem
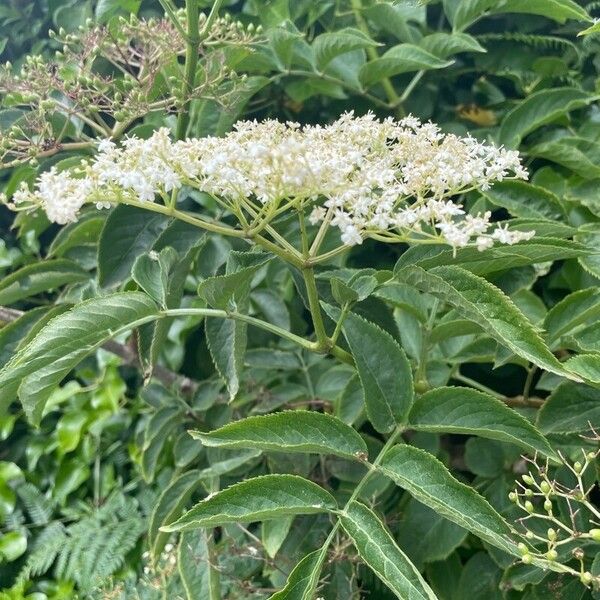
column 323, row 341
column 357, row 490
column 191, row 64
column 390, row 92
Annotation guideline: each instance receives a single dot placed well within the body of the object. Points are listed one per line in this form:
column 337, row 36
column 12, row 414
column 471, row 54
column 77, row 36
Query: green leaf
column 23, row 329
column 462, row 13
column 222, row 290
column 289, row 431
column 479, row 301
column 558, row 10
column 577, row 154
column 61, row 344
column 379, row 550
column 127, row 233
column 12, row 545
column 257, row 499
column 426, row 536
column 587, row 366
column 445, row 45
column 273, row 534
column 570, row 408
column 157, row 432
column 105, row 9
column 426, row 478
column 329, row 45
column 168, row 507
column 403, row 58
column 571, row 311
column 526, row 200
column 303, row 579
column 227, row 339
column 152, row 273
column 40, row 277
column 539, row 109
column 498, row 258
column 194, row 565
column 467, row 411
column 384, row 372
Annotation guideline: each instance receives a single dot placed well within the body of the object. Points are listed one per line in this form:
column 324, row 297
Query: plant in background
column 343, row 277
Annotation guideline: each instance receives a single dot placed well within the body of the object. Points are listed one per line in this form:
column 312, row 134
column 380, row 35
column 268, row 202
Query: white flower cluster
column 365, row 176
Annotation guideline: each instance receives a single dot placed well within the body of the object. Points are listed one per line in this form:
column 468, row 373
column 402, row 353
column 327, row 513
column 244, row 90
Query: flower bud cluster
column 387, row 179
column 540, row 498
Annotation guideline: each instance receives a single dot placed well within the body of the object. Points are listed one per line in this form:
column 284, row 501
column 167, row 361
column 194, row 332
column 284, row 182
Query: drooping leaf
column 462, row 13
column 257, row 499
column 468, row 411
column 40, row 277
column 426, row 478
column 481, row 302
column 384, row 372
column 289, row 431
column 379, row 550
column 539, row 109
column 38, row 367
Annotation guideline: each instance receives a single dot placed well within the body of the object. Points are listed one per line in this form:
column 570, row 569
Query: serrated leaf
column 383, row 369
column 428, row 480
column 403, row 58
column 379, row 550
column 127, row 233
column 479, row 301
column 539, row 109
column 498, row 258
column 523, row 199
column 40, row 277
column 327, row 46
column 257, row 499
column 289, row 431
column 40, row 366
column 587, row 366
column 470, row 412
column 570, row 408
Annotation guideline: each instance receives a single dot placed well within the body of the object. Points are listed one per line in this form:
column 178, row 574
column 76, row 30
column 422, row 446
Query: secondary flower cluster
column 389, row 179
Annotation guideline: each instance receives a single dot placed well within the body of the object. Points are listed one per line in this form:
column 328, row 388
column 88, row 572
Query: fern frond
column 44, row 551
column 38, row 506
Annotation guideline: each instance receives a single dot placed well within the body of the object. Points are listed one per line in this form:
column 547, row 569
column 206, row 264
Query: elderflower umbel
column 393, row 180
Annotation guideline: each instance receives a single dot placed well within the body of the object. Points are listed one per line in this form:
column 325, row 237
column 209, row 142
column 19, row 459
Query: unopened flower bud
column 512, row 496
column 551, row 534
column 529, row 507
column 595, row 533
column 528, row 479
column 545, row 487
column 527, row 559
column 578, row 467
column 548, row 506
column 586, row 578
column 552, row 555
column 523, row 549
